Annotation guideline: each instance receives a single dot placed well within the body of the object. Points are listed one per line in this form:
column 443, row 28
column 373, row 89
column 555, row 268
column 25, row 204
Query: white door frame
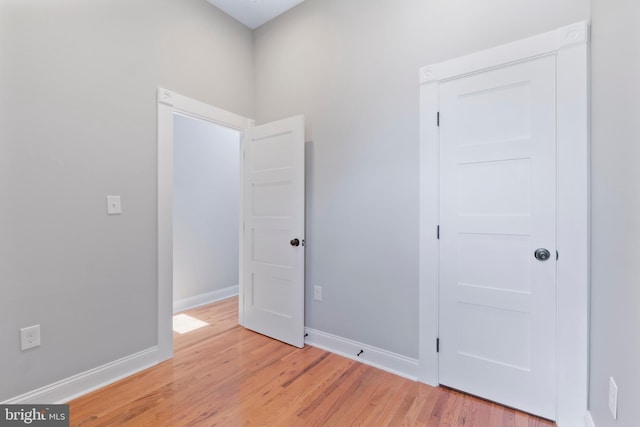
column 569, row 45
column 168, row 104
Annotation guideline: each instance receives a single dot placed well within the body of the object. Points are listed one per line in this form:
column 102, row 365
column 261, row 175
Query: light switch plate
column 114, row 205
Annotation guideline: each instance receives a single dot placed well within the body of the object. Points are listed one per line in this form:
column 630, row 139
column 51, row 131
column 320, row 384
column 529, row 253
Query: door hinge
column 438, row 232
column 438, row 119
column 437, row 345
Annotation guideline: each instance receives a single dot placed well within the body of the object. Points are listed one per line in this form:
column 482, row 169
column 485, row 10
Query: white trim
column 85, row 382
column 570, row 46
column 573, row 233
column 193, row 107
column 429, row 254
column 204, row 299
column 170, row 103
column 588, row 420
column 542, row 44
column 382, row 359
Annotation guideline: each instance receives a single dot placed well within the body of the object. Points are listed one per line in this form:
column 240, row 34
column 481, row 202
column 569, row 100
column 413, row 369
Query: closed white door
column 497, row 324
column 273, row 212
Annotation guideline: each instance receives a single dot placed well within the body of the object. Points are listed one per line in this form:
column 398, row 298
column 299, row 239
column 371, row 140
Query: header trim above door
column 542, row 44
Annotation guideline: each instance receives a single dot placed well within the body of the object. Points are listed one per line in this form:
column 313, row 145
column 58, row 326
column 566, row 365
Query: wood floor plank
column 225, row 375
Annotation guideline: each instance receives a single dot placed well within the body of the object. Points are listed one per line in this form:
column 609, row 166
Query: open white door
column 273, row 214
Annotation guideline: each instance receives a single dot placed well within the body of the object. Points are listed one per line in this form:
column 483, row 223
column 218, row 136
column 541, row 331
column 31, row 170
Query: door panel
column 497, row 206
column 273, row 276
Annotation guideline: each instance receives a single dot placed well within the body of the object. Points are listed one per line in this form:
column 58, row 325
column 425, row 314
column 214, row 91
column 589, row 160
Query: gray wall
column 351, row 67
column 206, row 197
column 78, row 122
column 615, row 239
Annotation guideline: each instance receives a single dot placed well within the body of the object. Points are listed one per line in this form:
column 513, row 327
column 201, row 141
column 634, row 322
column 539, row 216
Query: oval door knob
column 295, row 242
column 542, row 254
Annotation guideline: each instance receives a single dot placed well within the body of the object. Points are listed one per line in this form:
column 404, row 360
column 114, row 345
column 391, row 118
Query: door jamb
column 168, row 104
column 569, row 45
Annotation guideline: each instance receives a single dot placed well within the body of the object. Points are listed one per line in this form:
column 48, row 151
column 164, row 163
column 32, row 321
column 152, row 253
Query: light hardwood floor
column 224, row 375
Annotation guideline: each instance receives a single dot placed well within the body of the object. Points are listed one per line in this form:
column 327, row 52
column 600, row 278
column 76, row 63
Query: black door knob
column 295, row 242
column 542, row 254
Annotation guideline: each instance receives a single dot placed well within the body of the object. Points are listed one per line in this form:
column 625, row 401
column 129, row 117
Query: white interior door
column 273, row 213
column 497, row 322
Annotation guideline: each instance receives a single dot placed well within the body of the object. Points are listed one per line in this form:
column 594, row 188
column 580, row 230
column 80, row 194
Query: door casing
column 570, row 47
column 168, row 104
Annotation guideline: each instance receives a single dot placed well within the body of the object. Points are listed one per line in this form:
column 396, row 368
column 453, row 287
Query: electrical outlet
column 613, row 398
column 29, row 337
column 317, row 293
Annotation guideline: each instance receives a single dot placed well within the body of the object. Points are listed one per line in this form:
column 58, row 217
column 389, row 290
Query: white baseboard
column 204, row 299
column 588, row 421
column 391, row 362
column 68, row 389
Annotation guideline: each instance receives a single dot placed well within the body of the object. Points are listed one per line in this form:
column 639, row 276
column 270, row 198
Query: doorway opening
column 179, row 116
column 206, row 200
column 271, row 205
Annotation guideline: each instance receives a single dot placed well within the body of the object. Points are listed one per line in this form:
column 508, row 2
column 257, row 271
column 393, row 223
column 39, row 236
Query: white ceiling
column 254, row 13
